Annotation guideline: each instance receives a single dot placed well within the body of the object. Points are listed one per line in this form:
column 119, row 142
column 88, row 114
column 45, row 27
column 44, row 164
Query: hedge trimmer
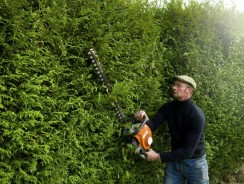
column 140, row 134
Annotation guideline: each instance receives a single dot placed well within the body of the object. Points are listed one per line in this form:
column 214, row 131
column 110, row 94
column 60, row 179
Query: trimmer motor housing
column 142, row 136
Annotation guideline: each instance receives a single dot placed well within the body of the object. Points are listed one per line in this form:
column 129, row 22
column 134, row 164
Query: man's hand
column 151, row 155
column 140, row 115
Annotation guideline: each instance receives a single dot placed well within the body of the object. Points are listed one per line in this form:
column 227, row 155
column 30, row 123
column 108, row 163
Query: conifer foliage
column 57, row 121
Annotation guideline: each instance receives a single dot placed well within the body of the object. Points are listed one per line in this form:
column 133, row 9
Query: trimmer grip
column 141, row 125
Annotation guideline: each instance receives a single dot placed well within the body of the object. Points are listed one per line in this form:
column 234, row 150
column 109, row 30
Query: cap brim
column 181, row 79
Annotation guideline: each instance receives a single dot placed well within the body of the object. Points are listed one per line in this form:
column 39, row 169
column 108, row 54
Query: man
column 186, row 162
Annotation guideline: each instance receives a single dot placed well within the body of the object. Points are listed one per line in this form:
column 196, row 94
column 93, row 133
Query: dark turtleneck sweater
column 186, row 123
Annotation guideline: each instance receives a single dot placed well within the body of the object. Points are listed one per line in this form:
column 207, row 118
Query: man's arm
column 159, row 118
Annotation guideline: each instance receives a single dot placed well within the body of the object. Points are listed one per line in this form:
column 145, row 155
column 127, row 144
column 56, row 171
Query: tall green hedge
column 58, row 124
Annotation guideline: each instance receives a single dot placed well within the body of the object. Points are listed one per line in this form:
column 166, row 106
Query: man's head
column 183, row 87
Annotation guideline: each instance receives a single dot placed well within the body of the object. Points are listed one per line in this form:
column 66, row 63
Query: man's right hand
column 140, row 115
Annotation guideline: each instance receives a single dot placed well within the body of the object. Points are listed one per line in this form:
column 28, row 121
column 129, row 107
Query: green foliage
column 57, row 121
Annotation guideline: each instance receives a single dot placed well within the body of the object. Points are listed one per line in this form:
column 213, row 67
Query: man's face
column 181, row 91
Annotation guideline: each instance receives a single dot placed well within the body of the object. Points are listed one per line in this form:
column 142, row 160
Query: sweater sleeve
column 191, row 141
column 159, row 118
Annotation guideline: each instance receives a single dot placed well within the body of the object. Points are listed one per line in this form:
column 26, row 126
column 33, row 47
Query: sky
column 239, row 3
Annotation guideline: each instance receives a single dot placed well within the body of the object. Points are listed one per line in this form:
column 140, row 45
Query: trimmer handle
column 141, row 152
column 141, row 125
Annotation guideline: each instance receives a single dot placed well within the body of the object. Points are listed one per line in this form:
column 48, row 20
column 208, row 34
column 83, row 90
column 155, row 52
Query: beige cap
column 187, row 79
